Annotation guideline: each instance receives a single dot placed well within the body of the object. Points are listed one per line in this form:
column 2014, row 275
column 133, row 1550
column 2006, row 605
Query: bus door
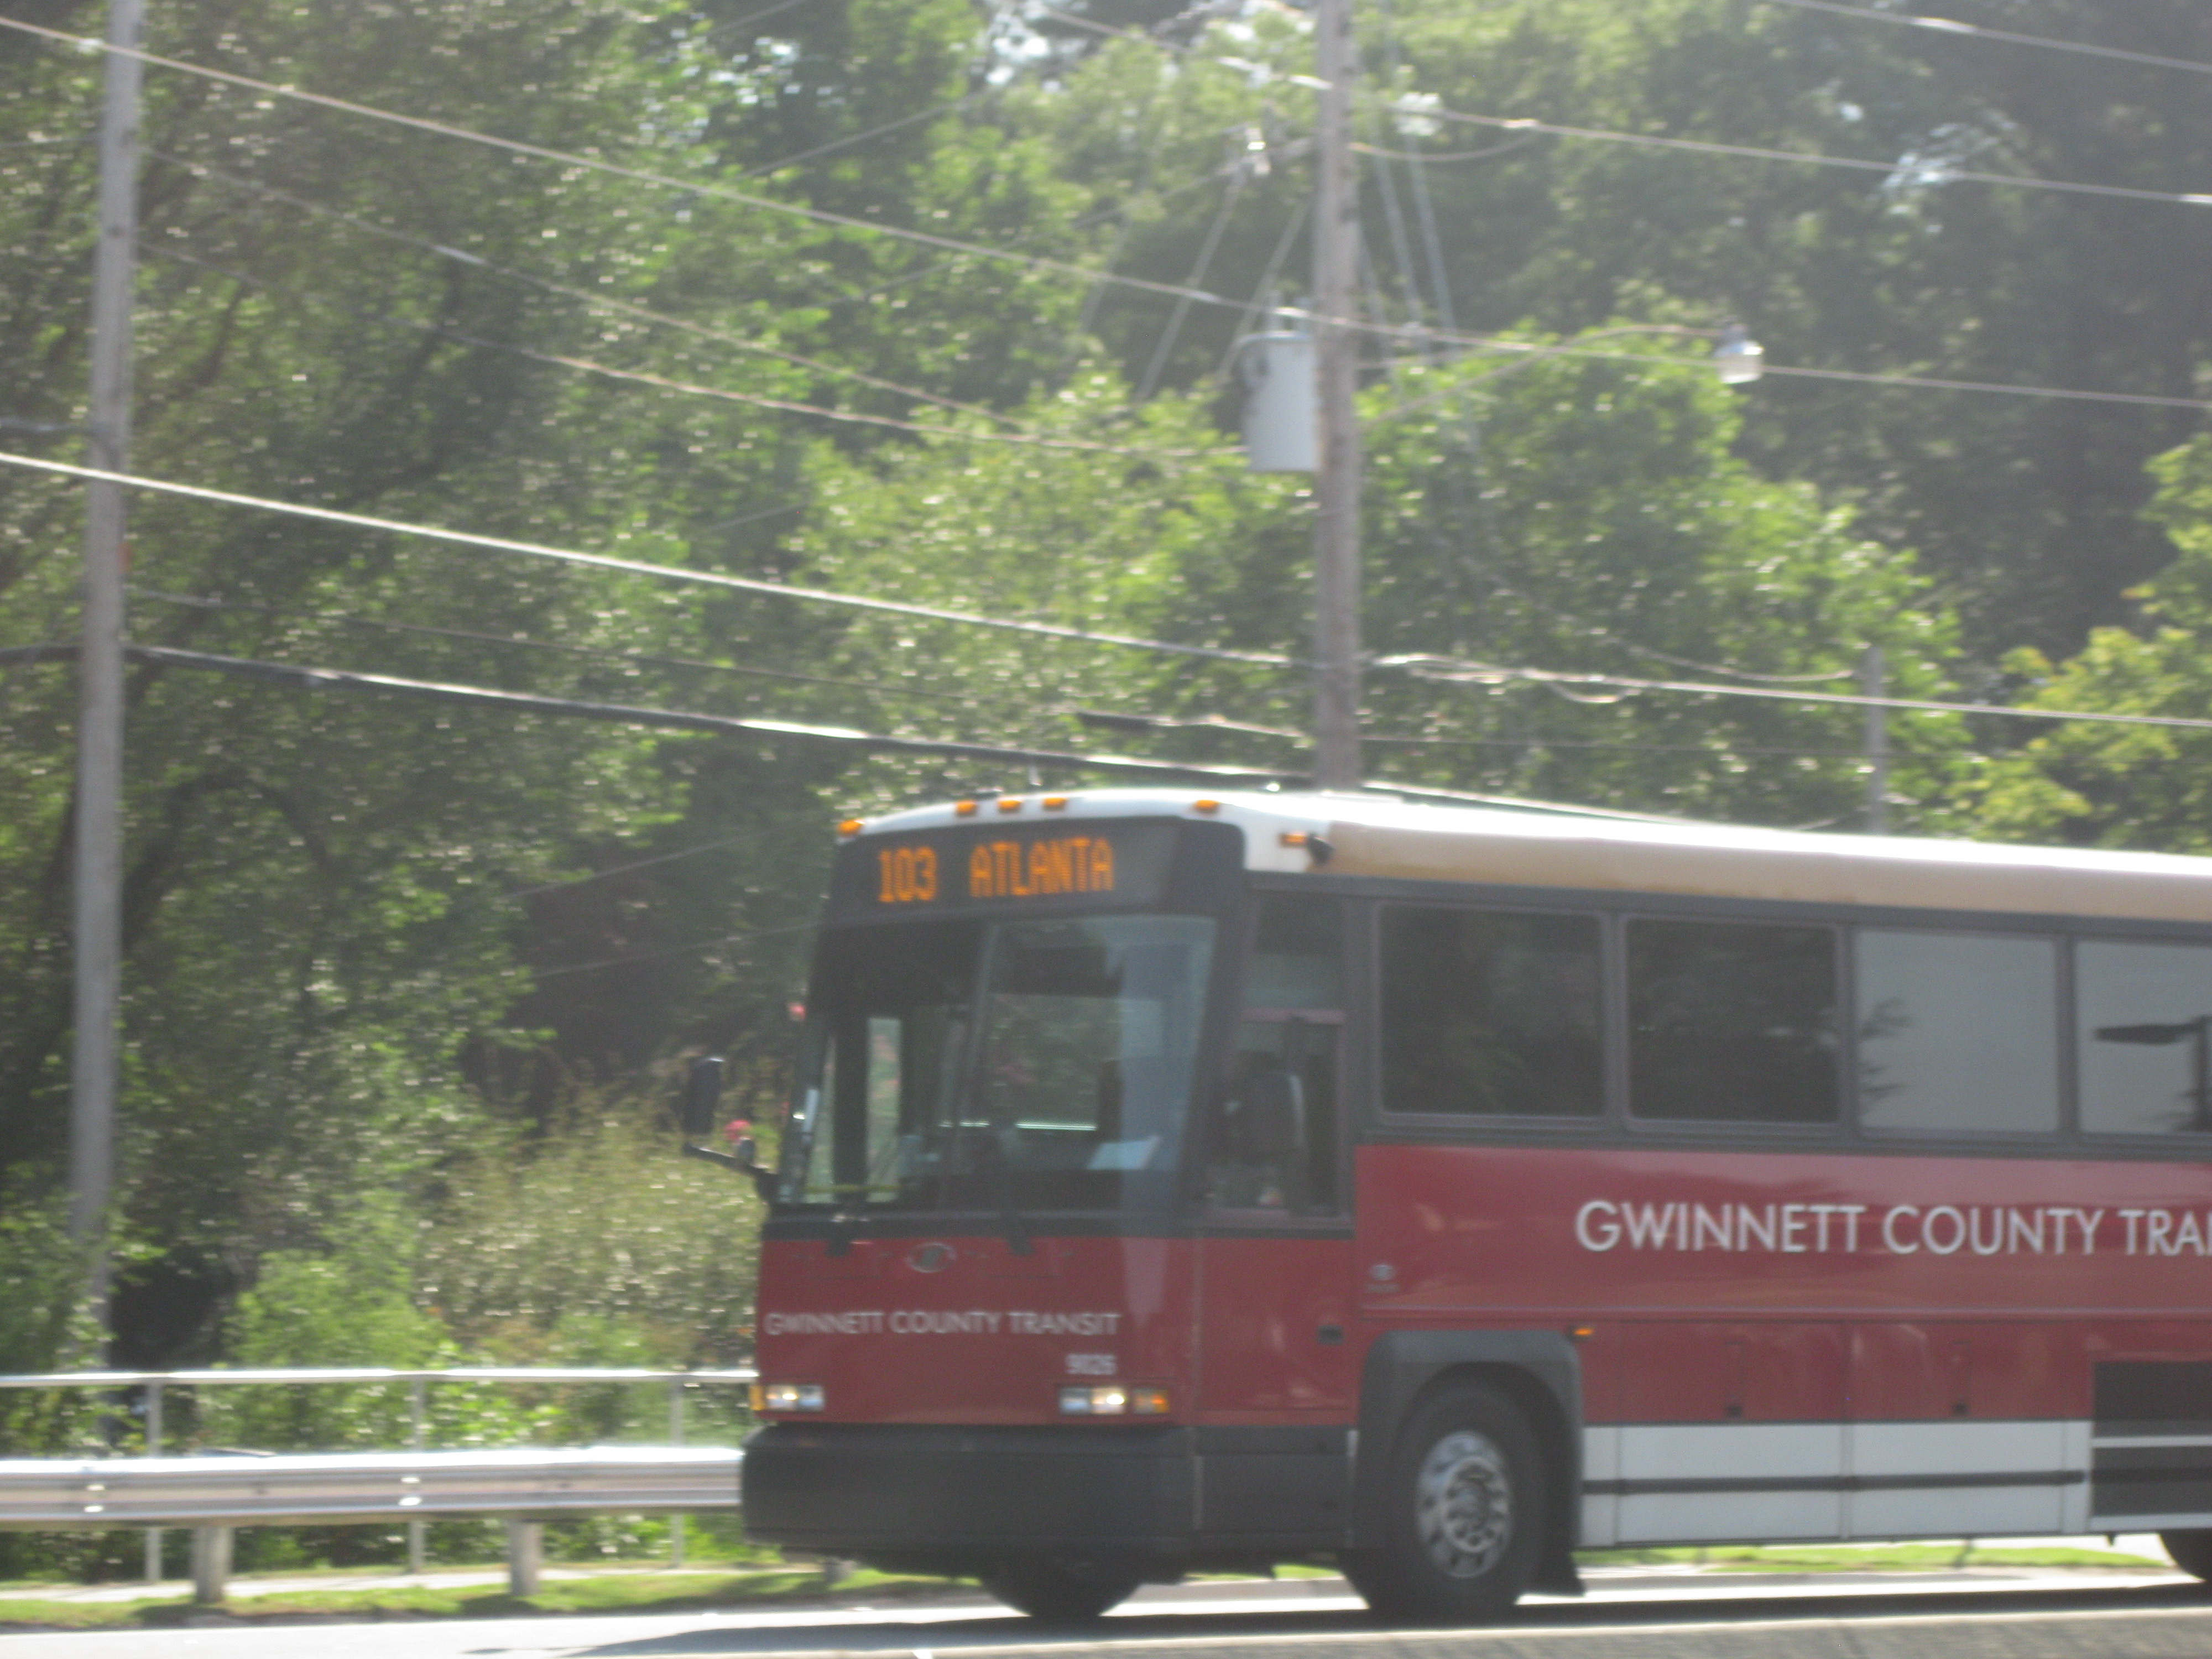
column 1276, row 1386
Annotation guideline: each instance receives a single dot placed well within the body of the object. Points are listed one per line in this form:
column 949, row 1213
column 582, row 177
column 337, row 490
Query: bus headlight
column 1112, row 1400
column 789, row 1397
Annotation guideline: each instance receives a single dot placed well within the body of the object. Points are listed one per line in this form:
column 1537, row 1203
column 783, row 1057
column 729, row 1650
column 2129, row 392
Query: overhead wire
column 1422, row 155
column 644, row 660
column 754, row 399
column 1420, row 667
column 1953, row 27
column 637, row 567
column 1445, row 670
column 1062, row 267
column 1208, row 246
column 1423, row 208
column 597, row 302
column 649, row 659
column 1263, row 291
column 658, row 858
column 1602, row 135
column 309, row 678
column 672, row 950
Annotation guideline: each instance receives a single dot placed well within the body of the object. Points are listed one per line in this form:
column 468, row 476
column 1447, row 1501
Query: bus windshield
column 1016, row 1066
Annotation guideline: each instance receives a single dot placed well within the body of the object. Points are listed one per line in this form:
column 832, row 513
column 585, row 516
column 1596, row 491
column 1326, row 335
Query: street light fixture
column 1739, row 359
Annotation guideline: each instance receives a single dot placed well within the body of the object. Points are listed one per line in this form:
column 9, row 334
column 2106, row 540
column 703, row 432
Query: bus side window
column 1732, row 1022
column 2144, row 1013
column 1492, row 1013
column 1957, row 1032
column 1274, row 1138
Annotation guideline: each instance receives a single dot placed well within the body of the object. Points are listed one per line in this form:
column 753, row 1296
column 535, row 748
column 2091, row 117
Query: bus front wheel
column 1047, row 1590
column 1465, row 1516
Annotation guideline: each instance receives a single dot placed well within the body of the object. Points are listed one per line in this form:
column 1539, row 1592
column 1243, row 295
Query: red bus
column 1184, row 1183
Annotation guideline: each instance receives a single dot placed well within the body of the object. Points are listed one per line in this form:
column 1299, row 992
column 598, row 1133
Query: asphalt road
column 1971, row 1615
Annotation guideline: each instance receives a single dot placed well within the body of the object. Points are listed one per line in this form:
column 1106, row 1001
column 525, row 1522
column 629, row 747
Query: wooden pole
column 96, row 920
column 1336, row 489
column 1874, row 680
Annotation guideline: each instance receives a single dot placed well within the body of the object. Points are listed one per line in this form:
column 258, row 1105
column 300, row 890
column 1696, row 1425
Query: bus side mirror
column 702, row 1094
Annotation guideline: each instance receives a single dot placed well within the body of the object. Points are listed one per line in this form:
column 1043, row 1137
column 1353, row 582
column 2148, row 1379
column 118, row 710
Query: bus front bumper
column 928, row 1496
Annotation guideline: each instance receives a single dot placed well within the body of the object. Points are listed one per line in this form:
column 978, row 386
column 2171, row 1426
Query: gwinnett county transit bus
column 1179, row 1183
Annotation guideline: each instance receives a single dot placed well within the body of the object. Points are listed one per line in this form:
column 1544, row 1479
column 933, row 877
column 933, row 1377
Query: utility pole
column 1336, row 488
column 97, row 927
column 1874, row 682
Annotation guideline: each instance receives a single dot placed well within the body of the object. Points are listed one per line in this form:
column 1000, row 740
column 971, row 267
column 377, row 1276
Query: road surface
column 1629, row 1614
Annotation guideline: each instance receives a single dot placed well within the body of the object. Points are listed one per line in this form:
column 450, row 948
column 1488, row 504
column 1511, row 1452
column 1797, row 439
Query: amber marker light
column 1582, row 1333
column 963, row 809
column 1053, row 803
column 1009, row 803
column 850, row 826
column 1206, row 807
column 1294, row 838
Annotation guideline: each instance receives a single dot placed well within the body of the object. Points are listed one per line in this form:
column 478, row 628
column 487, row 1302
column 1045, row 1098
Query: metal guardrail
column 213, row 1494
column 520, row 1483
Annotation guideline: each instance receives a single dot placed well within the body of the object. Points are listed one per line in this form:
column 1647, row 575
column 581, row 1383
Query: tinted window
column 1274, row 1144
column 1490, row 1011
column 1957, row 1032
column 1297, row 954
column 1731, row 1022
column 2143, row 1010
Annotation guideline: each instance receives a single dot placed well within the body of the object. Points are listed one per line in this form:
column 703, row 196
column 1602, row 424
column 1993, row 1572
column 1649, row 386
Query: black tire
column 1050, row 1590
column 1466, row 1511
column 2192, row 1552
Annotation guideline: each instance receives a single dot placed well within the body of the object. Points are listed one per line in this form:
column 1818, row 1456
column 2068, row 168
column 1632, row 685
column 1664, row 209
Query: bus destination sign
column 1117, row 864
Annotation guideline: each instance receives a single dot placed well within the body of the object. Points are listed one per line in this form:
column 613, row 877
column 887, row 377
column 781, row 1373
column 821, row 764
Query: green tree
column 2147, row 787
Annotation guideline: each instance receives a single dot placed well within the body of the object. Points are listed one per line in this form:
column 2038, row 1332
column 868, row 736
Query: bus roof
column 1369, row 835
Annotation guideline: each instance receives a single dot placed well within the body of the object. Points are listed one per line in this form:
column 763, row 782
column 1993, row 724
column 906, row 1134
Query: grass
column 618, row 1592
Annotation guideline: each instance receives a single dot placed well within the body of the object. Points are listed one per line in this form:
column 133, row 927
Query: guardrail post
column 675, row 1439
column 210, row 1564
column 153, row 1450
column 418, row 1388
column 525, row 1554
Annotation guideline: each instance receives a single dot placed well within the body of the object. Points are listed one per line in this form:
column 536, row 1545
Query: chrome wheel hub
column 1463, row 1504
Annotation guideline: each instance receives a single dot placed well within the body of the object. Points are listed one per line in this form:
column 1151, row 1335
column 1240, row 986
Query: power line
column 1447, row 671
column 1037, row 262
column 640, row 658
column 1948, row 174
column 636, row 567
column 1716, row 749
column 748, row 20
column 569, row 159
column 598, row 301
column 672, row 950
column 751, row 400
column 648, row 660
column 1941, row 173
column 1951, row 26
column 1858, row 377
column 640, row 863
column 1425, row 156
column 305, row 677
